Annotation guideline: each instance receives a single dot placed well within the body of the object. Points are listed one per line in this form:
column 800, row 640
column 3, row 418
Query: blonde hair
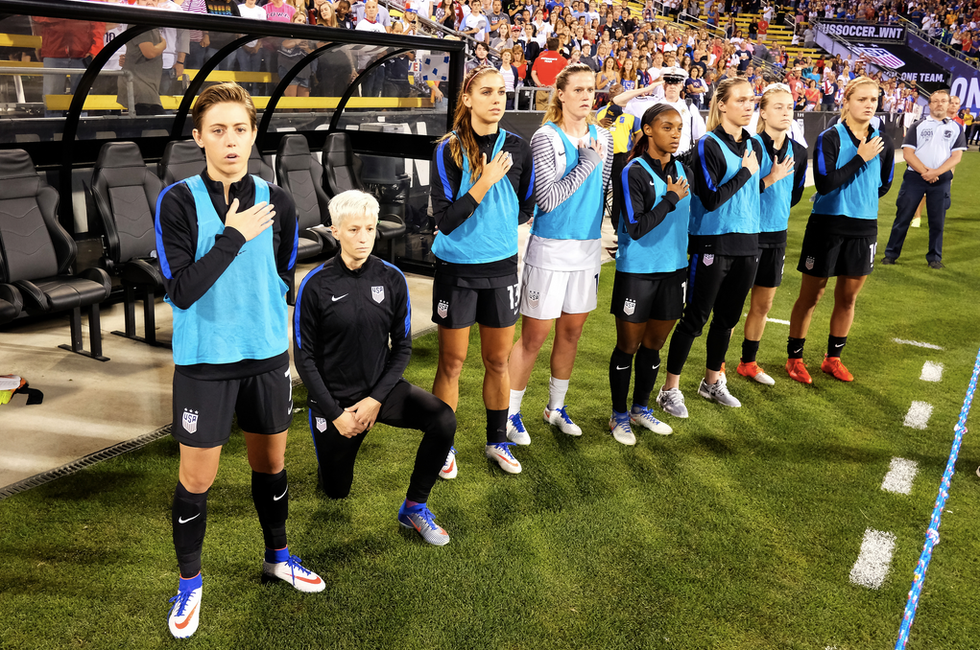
column 554, row 113
column 352, row 203
column 764, row 102
column 721, row 96
column 850, row 89
column 465, row 140
column 219, row 94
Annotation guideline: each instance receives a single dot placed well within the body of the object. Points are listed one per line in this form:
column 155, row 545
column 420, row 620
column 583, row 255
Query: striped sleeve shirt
column 550, row 190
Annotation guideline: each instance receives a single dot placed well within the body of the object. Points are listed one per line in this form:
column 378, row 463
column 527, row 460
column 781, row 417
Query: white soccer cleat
column 449, row 468
column 185, row 613
column 619, row 427
column 293, row 572
column 516, row 432
column 643, row 416
column 559, row 418
column 500, row 454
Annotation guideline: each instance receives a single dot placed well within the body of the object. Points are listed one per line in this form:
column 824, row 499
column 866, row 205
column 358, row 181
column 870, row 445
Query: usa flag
column 882, row 57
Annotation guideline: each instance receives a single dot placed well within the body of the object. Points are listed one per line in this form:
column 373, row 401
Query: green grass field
column 739, row 531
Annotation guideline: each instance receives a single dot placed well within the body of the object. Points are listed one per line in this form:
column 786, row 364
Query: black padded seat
column 125, row 194
column 342, row 171
column 257, row 166
column 300, row 174
column 181, row 159
column 11, row 303
column 37, row 254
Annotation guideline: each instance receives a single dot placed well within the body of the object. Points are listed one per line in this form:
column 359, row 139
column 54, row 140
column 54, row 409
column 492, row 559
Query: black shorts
column 771, row 264
column 461, row 302
column 203, row 409
column 639, row 297
column 826, row 255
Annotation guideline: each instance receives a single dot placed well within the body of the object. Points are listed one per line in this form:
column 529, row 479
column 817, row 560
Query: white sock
column 516, row 396
column 556, row 393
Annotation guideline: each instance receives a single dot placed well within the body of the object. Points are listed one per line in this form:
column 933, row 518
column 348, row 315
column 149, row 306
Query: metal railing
column 73, row 72
column 973, row 62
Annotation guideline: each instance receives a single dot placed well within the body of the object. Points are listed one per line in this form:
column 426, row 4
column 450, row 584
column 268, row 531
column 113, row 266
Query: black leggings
column 720, row 286
column 407, row 407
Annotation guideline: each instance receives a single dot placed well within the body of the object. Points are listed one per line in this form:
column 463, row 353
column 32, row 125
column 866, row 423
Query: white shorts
column 545, row 294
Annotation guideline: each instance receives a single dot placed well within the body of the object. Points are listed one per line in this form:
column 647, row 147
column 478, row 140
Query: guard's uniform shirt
column 934, row 141
column 341, row 328
column 624, row 129
column 186, row 280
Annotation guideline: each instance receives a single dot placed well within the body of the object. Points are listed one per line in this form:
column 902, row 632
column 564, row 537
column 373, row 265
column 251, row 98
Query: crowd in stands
column 531, row 43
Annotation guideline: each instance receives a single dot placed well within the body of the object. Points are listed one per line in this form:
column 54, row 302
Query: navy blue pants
column 937, row 202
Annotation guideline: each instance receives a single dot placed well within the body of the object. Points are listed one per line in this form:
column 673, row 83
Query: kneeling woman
column 651, row 267
column 852, row 169
column 346, row 312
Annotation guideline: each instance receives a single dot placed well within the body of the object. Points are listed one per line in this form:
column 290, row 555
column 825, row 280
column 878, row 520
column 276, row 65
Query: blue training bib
column 580, row 215
column 740, row 214
column 664, row 248
column 858, row 197
column 776, row 199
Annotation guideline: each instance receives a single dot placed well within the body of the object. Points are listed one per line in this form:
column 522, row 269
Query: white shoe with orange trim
column 293, row 572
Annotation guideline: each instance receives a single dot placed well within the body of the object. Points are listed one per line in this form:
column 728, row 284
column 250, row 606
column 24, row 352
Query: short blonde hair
column 352, row 203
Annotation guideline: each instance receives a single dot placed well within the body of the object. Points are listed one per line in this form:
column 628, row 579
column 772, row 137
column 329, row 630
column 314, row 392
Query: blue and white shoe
column 559, row 418
column 516, row 432
column 293, row 572
column 500, row 454
column 185, row 613
column 643, row 416
column 449, row 468
column 619, row 426
column 421, row 519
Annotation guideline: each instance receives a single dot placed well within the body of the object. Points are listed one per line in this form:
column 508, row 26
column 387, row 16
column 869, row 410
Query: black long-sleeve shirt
column 800, row 155
column 642, row 193
column 343, row 322
column 445, row 179
column 709, row 167
column 186, row 280
column 828, row 178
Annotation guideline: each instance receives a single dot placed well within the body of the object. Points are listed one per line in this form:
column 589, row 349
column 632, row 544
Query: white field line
column 918, row 344
column 900, row 475
column 875, row 559
column 932, row 372
column 918, row 415
column 779, row 321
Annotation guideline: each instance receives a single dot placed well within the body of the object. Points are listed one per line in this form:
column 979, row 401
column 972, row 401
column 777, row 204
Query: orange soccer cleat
column 753, row 371
column 833, row 366
column 797, row 371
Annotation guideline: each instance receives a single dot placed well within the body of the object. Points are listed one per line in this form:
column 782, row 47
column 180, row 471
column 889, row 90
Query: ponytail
column 721, row 96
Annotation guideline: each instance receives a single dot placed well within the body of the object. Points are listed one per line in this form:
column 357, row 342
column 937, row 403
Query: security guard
column 624, row 128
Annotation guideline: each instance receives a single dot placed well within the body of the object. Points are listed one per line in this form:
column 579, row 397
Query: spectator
column 382, row 16
column 628, row 75
column 144, row 61
column 480, row 58
column 291, row 52
column 695, row 88
column 830, row 89
column 544, row 72
column 65, row 44
column 972, row 125
column 345, row 18
column 475, row 24
column 251, row 56
column 812, row 94
column 605, row 79
column 511, row 78
column 374, row 83
column 503, row 39
column 496, row 19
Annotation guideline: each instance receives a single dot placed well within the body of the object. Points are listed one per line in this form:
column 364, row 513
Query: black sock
column 750, row 349
column 835, row 344
column 270, row 493
column 794, row 347
column 189, row 515
column 496, row 426
column 647, row 368
column 620, row 371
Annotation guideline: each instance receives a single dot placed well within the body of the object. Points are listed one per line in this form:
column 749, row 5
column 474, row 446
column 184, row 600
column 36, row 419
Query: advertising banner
column 884, row 33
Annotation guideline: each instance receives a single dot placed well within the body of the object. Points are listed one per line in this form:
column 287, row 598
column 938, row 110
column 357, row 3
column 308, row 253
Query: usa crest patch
column 442, row 309
column 533, row 298
column 709, row 260
column 809, row 263
column 321, row 424
column 629, row 307
column 189, row 421
column 378, row 293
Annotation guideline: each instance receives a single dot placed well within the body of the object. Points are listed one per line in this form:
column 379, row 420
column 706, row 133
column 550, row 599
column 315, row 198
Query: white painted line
column 900, row 475
column 780, row 321
column 918, row 344
column 918, row 415
column 932, row 372
column 875, row 559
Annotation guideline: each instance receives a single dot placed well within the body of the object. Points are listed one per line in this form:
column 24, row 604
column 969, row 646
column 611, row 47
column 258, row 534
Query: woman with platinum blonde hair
column 347, row 311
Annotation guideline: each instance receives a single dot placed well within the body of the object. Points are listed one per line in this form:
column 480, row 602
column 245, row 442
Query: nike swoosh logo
column 798, row 351
column 335, row 298
column 181, row 520
column 187, row 620
column 312, row 581
column 451, row 466
column 621, row 367
column 656, row 366
column 281, row 495
column 838, row 345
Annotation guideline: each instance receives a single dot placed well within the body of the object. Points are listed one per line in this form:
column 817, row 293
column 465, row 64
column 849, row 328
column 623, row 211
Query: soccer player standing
column 560, row 283
column 648, row 292
column 783, row 173
column 226, row 243
column 724, row 243
column 481, row 190
column 853, row 168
